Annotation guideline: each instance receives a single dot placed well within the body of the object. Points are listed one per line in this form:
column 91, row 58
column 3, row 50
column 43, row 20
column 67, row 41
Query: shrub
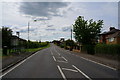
column 107, row 49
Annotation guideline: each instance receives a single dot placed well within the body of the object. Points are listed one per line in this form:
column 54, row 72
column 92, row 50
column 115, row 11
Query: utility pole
column 28, row 30
column 71, row 34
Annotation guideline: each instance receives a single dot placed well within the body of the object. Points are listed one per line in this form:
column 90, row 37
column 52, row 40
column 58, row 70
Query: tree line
column 7, row 42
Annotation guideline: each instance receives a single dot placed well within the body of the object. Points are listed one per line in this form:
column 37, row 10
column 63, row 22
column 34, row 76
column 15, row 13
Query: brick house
column 17, row 42
column 110, row 37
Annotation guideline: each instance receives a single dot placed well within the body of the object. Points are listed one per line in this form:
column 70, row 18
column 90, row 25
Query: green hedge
column 88, row 49
column 107, row 49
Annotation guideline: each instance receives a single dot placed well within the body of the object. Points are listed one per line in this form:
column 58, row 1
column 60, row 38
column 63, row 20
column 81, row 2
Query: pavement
column 54, row 62
column 109, row 60
column 13, row 59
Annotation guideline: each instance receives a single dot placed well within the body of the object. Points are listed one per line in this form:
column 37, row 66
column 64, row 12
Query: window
column 111, row 39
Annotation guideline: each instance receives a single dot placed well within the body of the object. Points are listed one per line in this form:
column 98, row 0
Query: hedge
column 107, row 49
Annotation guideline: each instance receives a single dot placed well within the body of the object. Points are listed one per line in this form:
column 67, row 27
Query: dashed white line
column 62, row 61
column 57, row 51
column 82, row 72
column 64, row 58
column 61, row 72
column 51, row 52
column 70, row 70
column 54, row 58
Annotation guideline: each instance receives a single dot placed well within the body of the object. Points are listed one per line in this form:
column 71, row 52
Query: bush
column 42, row 44
column 35, row 44
column 107, row 49
column 89, row 49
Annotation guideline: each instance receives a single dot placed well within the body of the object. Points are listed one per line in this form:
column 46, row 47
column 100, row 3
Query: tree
column 6, row 39
column 70, row 43
column 86, row 32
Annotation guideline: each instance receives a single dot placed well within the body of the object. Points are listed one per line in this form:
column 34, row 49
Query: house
column 17, row 42
column 14, row 41
column 110, row 37
column 62, row 39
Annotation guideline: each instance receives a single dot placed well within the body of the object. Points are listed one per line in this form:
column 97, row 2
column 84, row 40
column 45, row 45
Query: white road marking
column 82, row 72
column 17, row 65
column 70, row 70
column 57, row 51
column 62, row 61
column 98, row 63
column 64, row 58
column 51, row 52
column 54, row 58
column 95, row 62
column 61, row 72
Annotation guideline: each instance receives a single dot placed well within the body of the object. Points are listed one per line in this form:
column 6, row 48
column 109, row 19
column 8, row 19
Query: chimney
column 111, row 28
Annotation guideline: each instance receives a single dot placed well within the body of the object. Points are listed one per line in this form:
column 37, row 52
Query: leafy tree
column 86, row 32
column 6, row 39
column 70, row 43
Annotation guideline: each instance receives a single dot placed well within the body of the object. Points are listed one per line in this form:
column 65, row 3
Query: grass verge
column 36, row 49
column 26, row 50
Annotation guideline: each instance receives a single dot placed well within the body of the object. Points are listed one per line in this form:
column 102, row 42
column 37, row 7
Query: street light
column 28, row 30
column 29, row 27
column 71, row 31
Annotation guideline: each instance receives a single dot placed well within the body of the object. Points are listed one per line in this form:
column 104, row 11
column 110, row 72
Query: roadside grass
column 24, row 50
column 0, row 53
column 36, row 49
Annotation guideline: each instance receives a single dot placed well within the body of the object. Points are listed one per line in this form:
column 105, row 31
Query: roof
column 110, row 32
column 117, row 34
column 16, row 37
column 13, row 36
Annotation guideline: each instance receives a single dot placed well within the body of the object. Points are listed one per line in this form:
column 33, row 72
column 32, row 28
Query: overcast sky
column 55, row 18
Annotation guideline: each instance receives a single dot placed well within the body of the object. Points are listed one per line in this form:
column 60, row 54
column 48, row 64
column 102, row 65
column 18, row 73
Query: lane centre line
column 57, row 51
column 54, row 58
column 64, row 58
column 82, row 72
column 51, row 52
column 62, row 61
column 70, row 70
column 61, row 72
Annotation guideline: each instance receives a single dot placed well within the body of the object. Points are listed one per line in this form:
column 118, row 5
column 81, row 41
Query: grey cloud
column 55, row 33
column 44, row 9
column 66, row 29
column 23, row 31
column 41, row 18
column 26, row 30
column 50, row 25
column 118, row 15
column 50, row 29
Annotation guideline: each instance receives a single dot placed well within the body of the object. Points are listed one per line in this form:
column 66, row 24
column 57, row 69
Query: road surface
column 55, row 62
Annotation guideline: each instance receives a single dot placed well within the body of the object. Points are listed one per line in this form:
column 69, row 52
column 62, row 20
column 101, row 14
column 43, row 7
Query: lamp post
column 29, row 30
column 28, row 35
column 71, row 32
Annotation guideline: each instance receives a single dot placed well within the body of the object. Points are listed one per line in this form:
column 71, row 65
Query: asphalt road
column 55, row 62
